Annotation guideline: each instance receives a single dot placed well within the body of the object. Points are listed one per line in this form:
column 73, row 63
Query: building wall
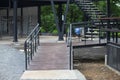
column 29, row 20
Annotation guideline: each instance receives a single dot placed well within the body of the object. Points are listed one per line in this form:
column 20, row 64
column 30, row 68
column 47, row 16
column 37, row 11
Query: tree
column 74, row 14
column 47, row 17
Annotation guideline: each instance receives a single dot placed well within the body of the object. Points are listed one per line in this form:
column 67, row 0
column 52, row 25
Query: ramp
column 51, row 56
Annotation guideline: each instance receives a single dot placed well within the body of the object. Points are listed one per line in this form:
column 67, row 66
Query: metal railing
column 113, row 55
column 69, row 44
column 31, row 44
column 70, row 37
column 90, row 33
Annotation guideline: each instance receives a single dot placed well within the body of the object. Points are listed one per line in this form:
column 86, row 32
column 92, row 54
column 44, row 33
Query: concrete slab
column 53, row 75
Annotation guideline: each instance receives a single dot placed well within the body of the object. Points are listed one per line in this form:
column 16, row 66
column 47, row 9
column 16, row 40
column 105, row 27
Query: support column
column 15, row 21
column 108, row 23
column 39, row 15
column 7, row 20
column 60, row 16
column 21, row 21
column 108, row 8
column 60, row 21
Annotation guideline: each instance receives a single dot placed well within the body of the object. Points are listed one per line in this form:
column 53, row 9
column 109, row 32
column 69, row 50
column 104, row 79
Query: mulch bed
column 95, row 70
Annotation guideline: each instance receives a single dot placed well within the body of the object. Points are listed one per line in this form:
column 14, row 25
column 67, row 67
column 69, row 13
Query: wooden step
column 53, row 75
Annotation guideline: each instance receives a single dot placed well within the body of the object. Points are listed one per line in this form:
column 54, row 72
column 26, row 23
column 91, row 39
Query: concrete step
column 53, row 75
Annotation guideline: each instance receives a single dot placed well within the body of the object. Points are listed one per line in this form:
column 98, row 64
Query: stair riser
column 90, row 9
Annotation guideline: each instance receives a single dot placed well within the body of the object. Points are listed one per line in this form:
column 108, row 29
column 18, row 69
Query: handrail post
column 38, row 35
column 25, row 49
column 70, row 43
column 35, row 40
column 31, row 45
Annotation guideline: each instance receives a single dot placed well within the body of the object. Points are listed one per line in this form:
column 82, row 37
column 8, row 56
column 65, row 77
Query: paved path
column 51, row 56
column 11, row 63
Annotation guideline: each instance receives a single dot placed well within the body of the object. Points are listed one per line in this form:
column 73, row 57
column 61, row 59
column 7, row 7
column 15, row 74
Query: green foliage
column 101, row 5
column 115, row 9
column 55, row 32
column 74, row 14
column 42, row 30
column 47, row 17
column 119, row 35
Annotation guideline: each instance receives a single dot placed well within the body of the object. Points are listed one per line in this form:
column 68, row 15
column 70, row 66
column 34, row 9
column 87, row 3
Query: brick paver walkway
column 51, row 56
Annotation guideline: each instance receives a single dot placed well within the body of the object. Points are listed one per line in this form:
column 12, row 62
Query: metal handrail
column 31, row 44
column 69, row 44
column 70, row 34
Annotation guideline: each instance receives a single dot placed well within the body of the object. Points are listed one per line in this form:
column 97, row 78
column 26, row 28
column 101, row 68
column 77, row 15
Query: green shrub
column 119, row 35
column 42, row 30
column 55, row 32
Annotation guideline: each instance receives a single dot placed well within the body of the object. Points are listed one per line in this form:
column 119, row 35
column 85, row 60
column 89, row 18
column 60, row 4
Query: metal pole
column 60, row 21
column 15, row 20
column 116, row 37
column 7, row 20
column 108, row 22
column 60, row 16
column 108, row 8
column 99, row 35
column 21, row 22
column 25, row 49
column 71, row 54
column 39, row 22
column 39, row 15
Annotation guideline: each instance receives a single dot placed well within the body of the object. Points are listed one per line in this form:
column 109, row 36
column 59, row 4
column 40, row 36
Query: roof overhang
column 29, row 3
